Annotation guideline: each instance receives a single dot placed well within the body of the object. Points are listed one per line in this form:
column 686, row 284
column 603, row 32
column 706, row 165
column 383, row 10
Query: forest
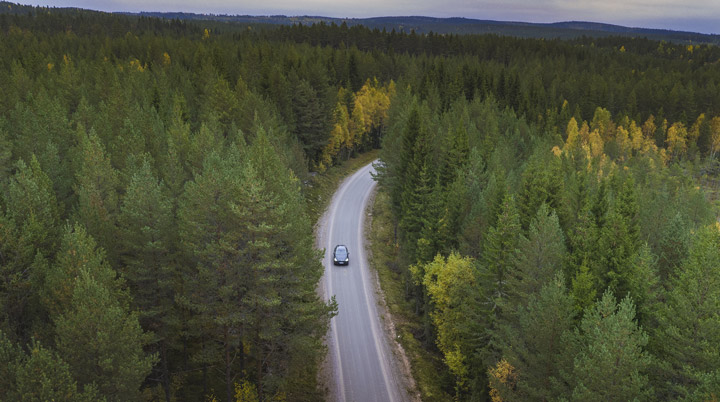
column 555, row 204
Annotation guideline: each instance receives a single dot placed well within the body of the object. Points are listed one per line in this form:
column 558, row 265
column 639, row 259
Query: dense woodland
column 553, row 199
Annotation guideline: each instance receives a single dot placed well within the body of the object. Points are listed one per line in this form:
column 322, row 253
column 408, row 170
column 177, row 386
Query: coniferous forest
column 555, row 204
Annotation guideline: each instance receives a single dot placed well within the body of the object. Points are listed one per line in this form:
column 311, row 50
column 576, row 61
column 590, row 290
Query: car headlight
column 346, row 260
column 334, row 259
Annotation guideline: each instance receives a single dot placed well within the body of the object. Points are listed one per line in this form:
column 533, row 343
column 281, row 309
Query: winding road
column 361, row 361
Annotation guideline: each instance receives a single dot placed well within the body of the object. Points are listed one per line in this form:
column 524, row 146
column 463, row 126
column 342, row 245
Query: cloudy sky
column 688, row 15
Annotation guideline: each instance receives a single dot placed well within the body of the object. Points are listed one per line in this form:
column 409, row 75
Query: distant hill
column 424, row 25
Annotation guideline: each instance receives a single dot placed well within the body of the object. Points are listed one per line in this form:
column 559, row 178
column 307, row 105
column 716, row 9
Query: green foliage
column 455, row 293
column 500, row 247
column 97, row 186
column 243, row 225
column 688, row 331
column 539, row 257
column 28, row 228
column 102, row 342
column 534, row 340
column 40, row 375
column 177, row 162
column 611, row 363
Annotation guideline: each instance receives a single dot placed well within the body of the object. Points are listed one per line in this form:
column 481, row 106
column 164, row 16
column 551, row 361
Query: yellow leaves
column 556, row 151
column 455, row 361
column 677, row 139
column 503, row 374
column 596, row 143
column 371, row 105
column 715, row 134
column 369, row 112
column 206, row 34
column 245, row 392
column 137, row 65
column 50, row 66
column 166, row 59
column 572, row 134
column 622, row 138
column 637, row 140
column 66, row 59
column 622, row 49
column 447, row 281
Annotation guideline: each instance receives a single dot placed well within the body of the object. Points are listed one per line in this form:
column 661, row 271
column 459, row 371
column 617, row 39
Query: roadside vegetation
column 426, row 363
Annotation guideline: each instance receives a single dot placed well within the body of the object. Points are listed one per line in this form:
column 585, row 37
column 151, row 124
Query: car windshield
column 340, row 252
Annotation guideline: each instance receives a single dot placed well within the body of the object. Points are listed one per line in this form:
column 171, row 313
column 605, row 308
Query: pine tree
column 97, row 186
column 673, row 245
column 611, row 363
column 38, row 376
column 44, row 376
column 147, row 240
column 534, row 340
column 688, row 336
column 6, row 150
column 102, row 341
column 78, row 252
column 28, row 233
column 252, row 285
column 214, row 279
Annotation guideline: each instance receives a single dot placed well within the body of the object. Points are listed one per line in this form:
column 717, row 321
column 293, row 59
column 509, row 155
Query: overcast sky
column 687, row 15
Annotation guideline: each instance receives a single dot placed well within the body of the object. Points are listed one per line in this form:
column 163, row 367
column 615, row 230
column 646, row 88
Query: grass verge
column 321, row 188
column 427, row 368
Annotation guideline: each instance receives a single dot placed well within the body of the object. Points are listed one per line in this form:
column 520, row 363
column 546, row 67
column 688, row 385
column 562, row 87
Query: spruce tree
column 500, row 247
column 540, row 255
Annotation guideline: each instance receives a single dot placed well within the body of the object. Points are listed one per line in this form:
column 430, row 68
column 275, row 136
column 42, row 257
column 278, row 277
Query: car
column 341, row 255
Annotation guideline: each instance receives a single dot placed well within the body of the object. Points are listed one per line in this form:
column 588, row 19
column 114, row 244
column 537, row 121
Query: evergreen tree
column 40, row 376
column 252, row 288
column 674, row 243
column 147, row 239
column 540, row 184
column 688, row 336
column 611, row 363
column 102, row 342
column 78, row 252
column 310, row 120
column 28, row 233
column 539, row 257
column 614, row 266
column 416, row 193
column 534, row 340
column 97, row 185
column 500, row 247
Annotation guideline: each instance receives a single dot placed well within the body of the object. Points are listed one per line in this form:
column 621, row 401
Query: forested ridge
column 553, row 201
